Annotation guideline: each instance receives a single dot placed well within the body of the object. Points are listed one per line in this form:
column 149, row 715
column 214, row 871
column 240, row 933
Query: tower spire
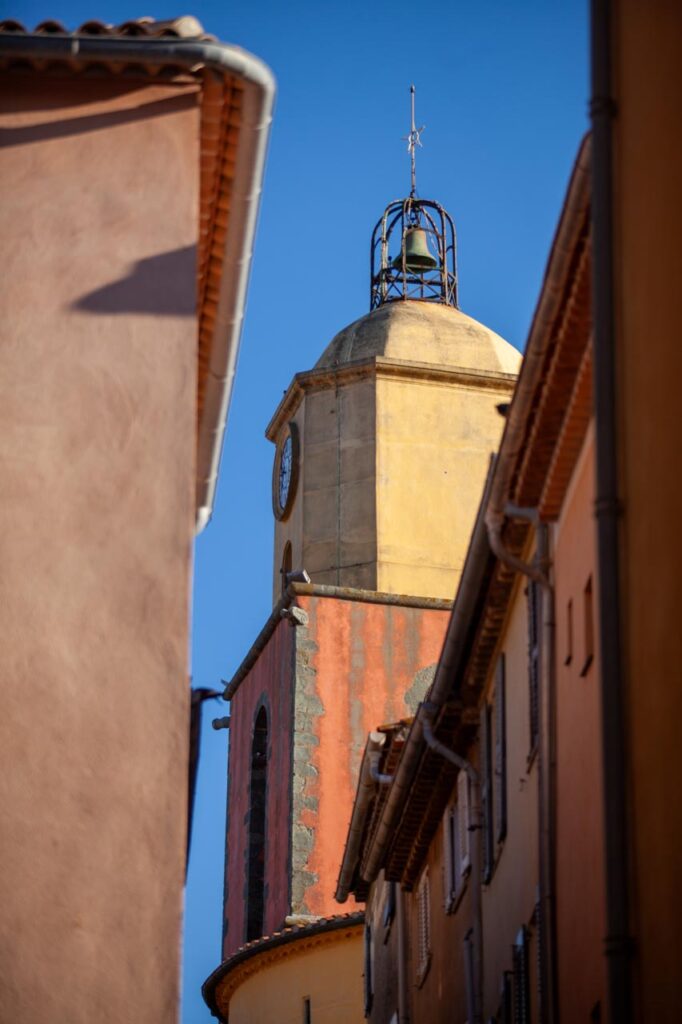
column 425, row 266
column 413, row 140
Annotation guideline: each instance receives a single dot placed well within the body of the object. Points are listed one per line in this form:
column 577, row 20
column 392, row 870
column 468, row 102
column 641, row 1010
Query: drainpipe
column 369, row 777
column 259, row 94
column 549, row 996
column 430, row 711
column 618, row 941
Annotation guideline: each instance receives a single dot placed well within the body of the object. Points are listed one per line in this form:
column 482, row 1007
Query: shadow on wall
column 63, row 127
column 163, row 285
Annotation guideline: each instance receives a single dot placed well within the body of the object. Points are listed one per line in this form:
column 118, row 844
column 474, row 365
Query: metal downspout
column 549, row 989
column 618, row 945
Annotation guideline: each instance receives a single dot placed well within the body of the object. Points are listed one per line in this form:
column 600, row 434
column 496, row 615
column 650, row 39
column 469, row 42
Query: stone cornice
column 382, row 367
column 295, row 590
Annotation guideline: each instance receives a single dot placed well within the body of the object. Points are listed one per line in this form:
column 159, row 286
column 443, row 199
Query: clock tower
column 380, row 454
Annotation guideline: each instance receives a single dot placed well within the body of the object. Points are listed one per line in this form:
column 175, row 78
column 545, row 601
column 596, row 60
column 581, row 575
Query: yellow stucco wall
column 329, row 975
column 394, row 452
column 433, row 447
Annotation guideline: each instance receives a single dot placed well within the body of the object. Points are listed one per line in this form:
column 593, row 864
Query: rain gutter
column 258, row 101
column 540, row 339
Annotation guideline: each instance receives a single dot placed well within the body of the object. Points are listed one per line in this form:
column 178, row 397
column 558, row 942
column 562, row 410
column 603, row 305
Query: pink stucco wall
column 268, row 684
column 579, row 813
column 97, row 442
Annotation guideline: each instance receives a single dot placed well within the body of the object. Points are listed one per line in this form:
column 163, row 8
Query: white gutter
column 259, row 94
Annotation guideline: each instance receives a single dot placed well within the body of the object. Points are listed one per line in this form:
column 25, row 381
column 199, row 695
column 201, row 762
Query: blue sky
column 502, row 89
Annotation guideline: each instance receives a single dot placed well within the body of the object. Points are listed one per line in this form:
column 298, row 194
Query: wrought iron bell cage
column 407, row 223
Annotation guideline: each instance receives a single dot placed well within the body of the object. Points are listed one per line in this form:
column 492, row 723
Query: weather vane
column 413, row 140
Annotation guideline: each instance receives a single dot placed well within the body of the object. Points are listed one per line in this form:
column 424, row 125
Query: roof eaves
column 296, row 933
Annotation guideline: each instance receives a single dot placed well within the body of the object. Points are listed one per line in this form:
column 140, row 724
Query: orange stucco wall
column 579, row 807
column 97, row 438
column 647, row 87
column 364, row 664
column 326, row 684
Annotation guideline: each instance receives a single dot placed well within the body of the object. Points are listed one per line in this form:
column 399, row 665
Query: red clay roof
column 184, row 27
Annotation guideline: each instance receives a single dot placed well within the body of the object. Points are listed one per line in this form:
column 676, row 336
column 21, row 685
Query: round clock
column 285, row 472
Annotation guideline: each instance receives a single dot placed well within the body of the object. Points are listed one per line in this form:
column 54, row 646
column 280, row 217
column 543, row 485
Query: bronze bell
column 418, row 259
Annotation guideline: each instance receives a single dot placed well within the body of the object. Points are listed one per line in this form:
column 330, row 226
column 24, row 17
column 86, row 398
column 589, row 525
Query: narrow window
column 456, row 844
column 307, row 1013
column 369, row 981
column 486, row 795
column 533, row 596
column 451, row 856
column 521, row 985
column 389, row 906
column 463, row 827
column 569, row 633
column 500, row 713
column 423, row 927
column 257, row 803
column 588, row 627
column 287, row 561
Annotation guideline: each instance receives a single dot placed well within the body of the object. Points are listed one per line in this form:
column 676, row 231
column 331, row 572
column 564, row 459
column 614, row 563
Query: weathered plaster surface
column 354, row 664
column 97, row 445
column 397, row 423
column 268, row 683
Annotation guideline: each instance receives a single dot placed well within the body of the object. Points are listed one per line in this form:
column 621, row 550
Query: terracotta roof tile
column 183, row 27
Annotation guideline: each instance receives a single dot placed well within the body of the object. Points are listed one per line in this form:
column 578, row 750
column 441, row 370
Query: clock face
column 285, row 473
column 285, row 469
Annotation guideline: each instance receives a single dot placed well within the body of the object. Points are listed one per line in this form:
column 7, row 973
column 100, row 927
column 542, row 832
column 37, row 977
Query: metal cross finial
column 413, row 140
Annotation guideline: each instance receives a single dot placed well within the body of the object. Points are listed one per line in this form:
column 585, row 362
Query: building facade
column 134, row 158
column 486, row 826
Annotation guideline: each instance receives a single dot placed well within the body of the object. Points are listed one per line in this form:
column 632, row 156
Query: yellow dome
column 422, row 332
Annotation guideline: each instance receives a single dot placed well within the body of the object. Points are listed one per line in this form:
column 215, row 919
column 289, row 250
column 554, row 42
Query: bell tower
column 381, row 451
column 382, row 447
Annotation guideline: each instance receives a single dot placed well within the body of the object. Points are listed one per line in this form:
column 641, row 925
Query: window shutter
column 486, row 795
column 424, row 924
column 500, row 801
column 389, row 904
column 521, row 982
column 506, row 1004
column 469, row 982
column 449, row 846
column 533, row 605
column 463, row 818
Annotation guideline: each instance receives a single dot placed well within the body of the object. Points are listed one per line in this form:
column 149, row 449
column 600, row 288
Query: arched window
column 257, row 822
column 286, row 565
